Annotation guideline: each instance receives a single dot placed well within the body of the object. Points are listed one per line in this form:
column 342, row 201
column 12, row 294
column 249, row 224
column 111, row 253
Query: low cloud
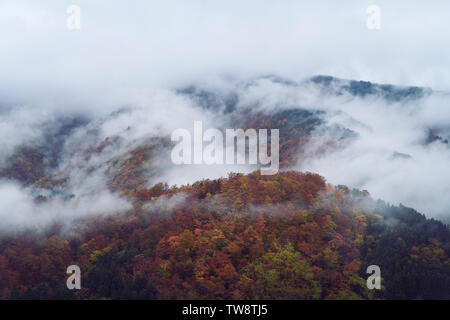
column 21, row 211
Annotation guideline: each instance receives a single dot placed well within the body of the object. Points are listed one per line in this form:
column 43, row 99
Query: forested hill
column 286, row 236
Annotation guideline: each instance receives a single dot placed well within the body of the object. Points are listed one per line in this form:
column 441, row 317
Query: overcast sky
column 124, row 45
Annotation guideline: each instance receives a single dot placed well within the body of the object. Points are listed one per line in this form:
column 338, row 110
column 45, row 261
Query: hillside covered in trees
column 286, row 236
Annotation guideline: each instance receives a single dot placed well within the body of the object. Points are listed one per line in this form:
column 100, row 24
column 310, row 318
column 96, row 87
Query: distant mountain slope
column 127, row 159
column 366, row 88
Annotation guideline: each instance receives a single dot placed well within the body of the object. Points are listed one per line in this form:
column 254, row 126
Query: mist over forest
column 90, row 94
